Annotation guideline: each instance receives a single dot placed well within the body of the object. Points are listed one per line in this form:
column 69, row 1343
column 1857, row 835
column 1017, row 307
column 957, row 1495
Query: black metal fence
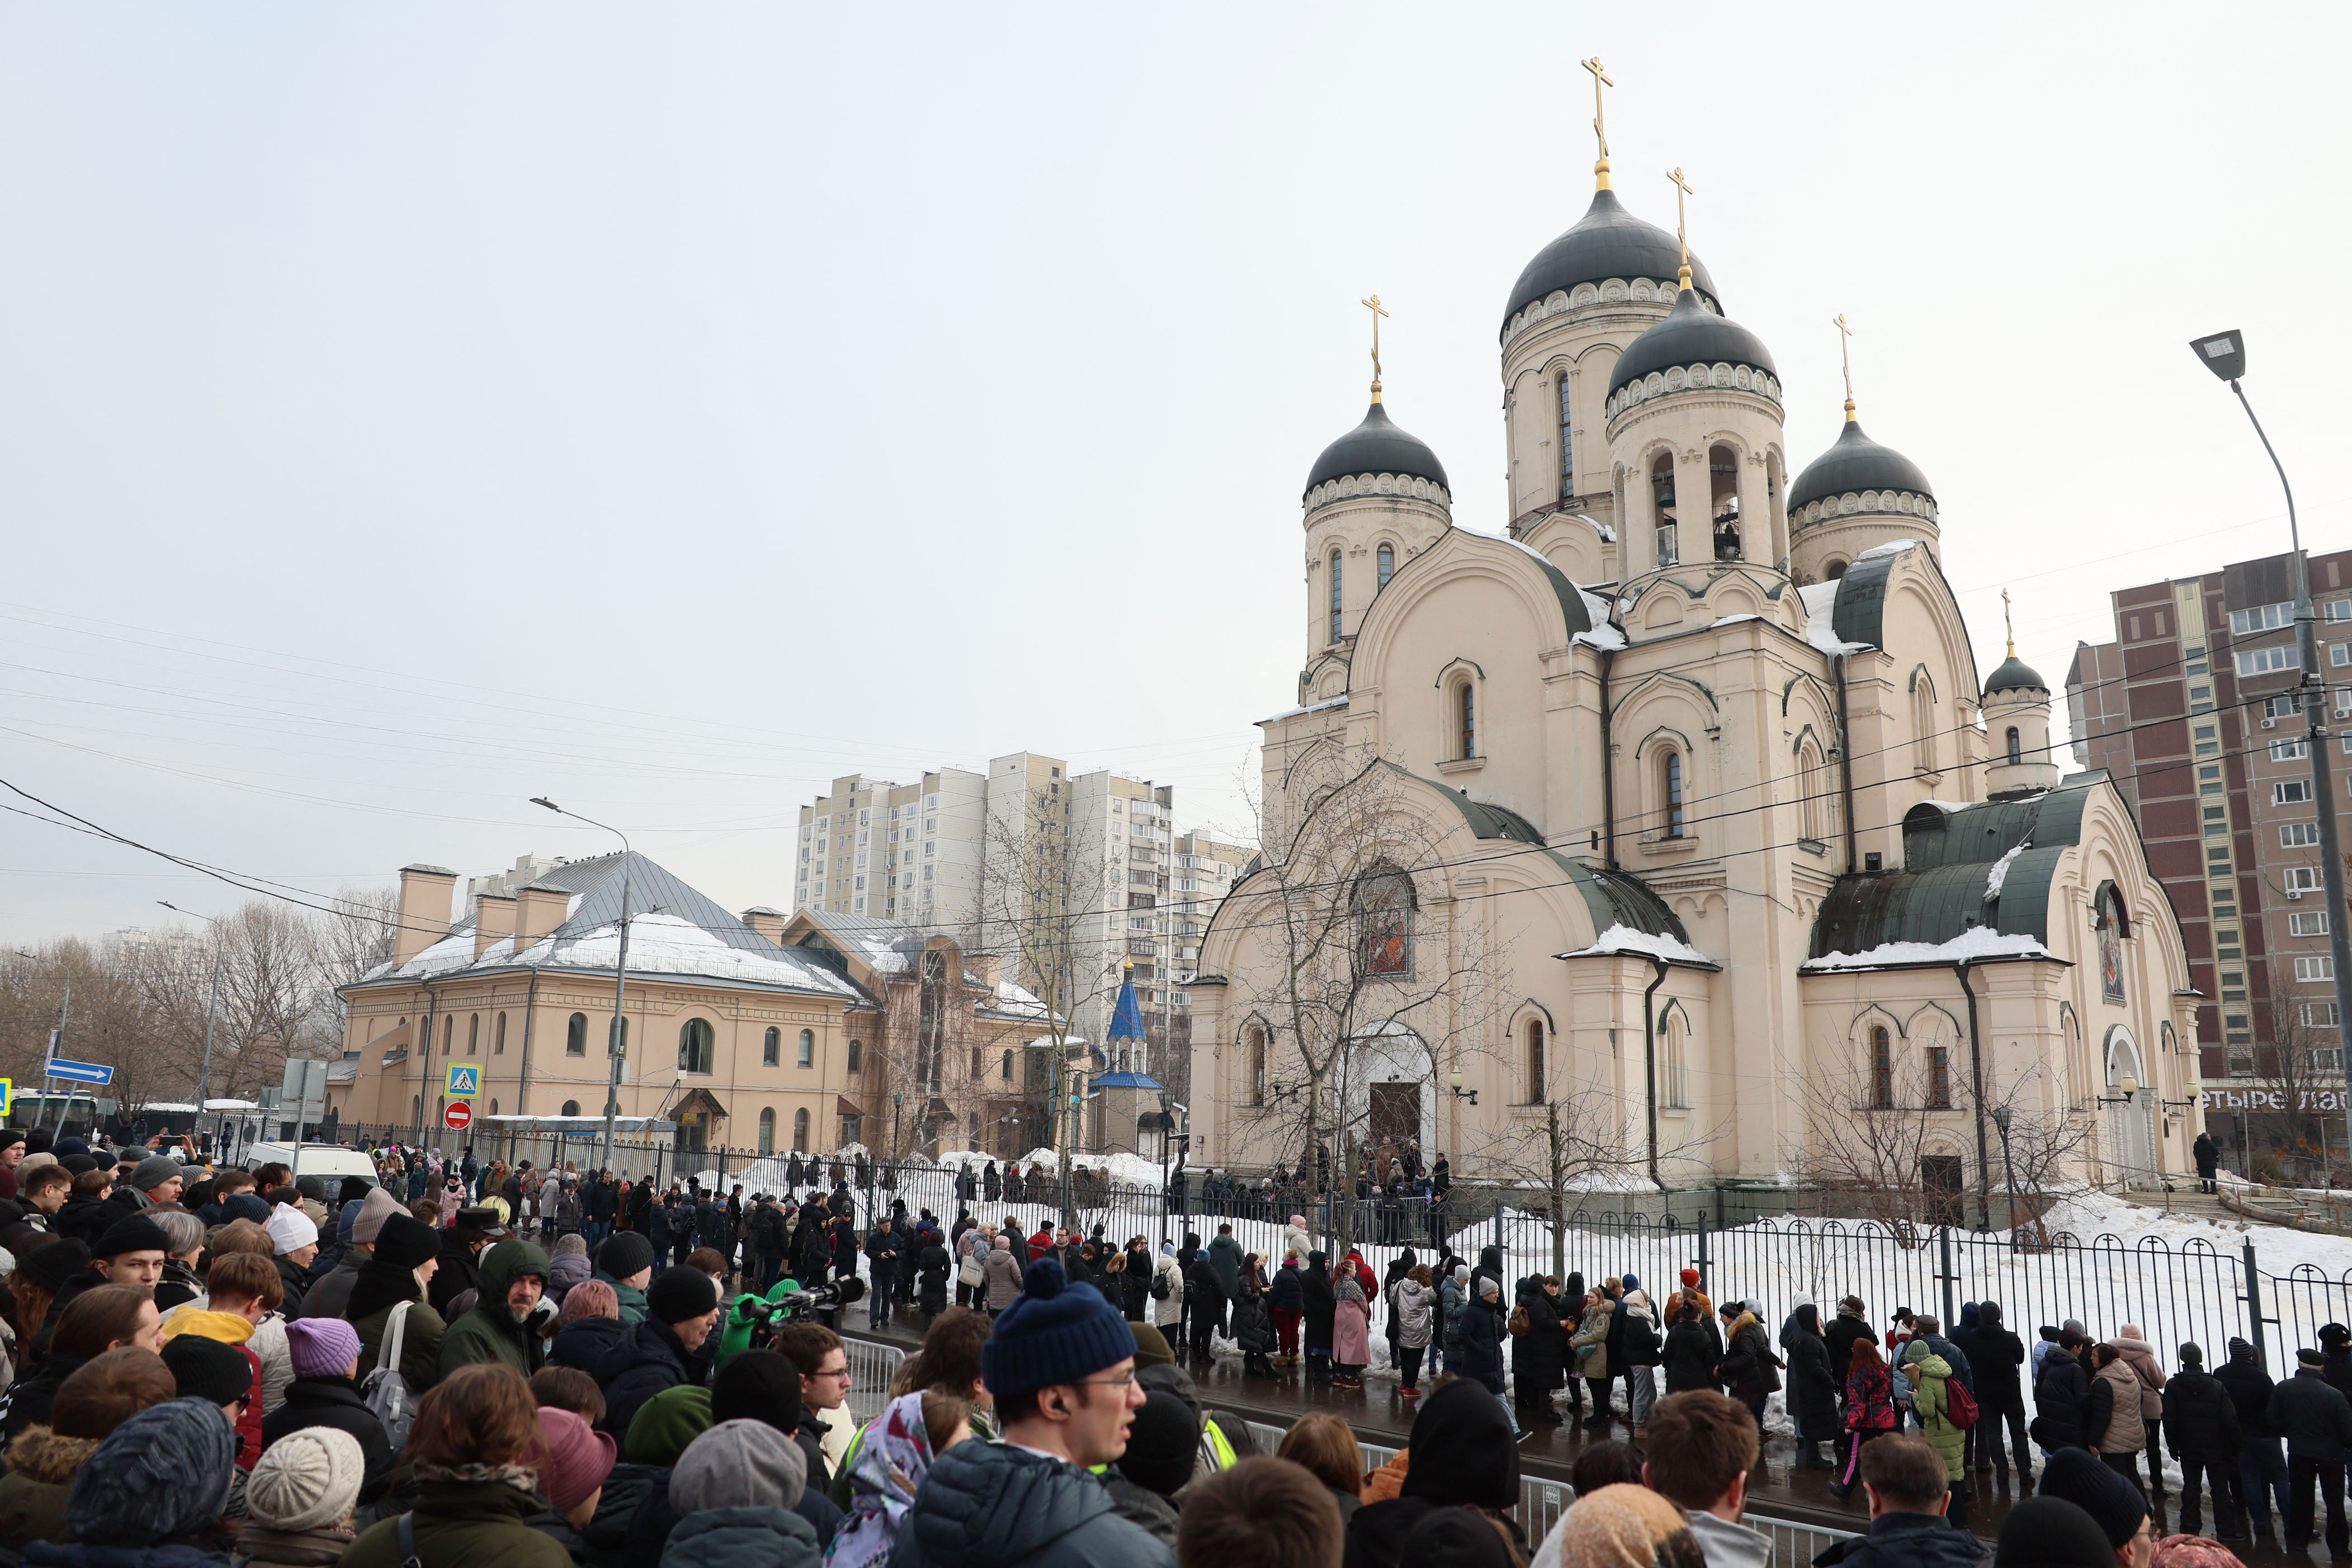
column 2208, row 1292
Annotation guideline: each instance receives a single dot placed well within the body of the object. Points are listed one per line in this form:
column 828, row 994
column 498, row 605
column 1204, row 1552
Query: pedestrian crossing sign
column 7, row 1095
column 464, row 1079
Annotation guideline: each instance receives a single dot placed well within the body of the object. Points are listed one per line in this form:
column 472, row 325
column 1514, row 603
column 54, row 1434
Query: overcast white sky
column 404, row 411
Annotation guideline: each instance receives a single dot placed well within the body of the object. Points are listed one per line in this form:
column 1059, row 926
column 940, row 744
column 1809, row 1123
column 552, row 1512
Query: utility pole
column 618, row 1043
column 2225, row 355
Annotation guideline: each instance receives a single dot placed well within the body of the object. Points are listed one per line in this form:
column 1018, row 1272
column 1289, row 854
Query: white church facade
column 1678, row 804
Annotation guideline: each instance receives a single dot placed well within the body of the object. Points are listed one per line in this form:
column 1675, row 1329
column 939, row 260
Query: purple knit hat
column 322, row 1347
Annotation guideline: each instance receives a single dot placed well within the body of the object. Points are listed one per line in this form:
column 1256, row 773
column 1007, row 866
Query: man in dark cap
column 472, row 1230
column 2262, row 1464
column 154, row 1180
column 625, row 1262
column 2200, row 1428
column 2316, row 1422
column 681, row 1308
column 2111, row 1499
column 131, row 1251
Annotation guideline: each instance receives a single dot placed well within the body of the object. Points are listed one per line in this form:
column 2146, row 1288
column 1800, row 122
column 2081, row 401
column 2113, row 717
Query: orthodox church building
column 1675, row 803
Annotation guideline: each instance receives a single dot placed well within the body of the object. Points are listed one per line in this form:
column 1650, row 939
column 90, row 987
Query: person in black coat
column 2208, row 1155
column 1321, row 1313
column 1539, row 1355
column 1997, row 1353
column 2262, row 1464
column 1204, row 1296
column 2061, row 1397
column 1693, row 1347
column 1812, row 1391
column 2316, row 1422
column 1482, row 1335
column 2200, row 1430
column 931, row 1266
column 1852, row 1323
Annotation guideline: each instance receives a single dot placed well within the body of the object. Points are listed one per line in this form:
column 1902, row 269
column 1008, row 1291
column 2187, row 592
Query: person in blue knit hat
column 1060, row 1364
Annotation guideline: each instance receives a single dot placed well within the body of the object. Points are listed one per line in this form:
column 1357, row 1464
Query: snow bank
column 1892, row 547
column 1624, row 939
column 1978, row 942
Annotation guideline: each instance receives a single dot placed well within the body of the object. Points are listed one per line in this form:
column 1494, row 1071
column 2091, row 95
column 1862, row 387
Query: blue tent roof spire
column 1127, row 1016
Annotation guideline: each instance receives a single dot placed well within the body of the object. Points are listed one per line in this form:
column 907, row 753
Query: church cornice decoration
column 1591, row 296
column 1693, row 378
column 1883, row 503
column 1350, row 487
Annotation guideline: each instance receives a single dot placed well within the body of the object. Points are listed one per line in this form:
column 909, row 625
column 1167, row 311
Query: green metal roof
column 1947, row 862
column 1614, row 897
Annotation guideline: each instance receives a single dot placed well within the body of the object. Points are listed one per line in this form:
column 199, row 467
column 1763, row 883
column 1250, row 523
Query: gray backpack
column 387, row 1393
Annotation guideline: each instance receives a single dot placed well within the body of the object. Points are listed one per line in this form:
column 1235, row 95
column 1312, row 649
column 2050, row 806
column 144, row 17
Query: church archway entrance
column 2130, row 1103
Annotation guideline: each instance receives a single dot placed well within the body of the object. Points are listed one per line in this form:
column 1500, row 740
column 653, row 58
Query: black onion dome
column 2015, row 675
column 1690, row 335
column 1855, row 463
column 1377, row 447
column 1606, row 242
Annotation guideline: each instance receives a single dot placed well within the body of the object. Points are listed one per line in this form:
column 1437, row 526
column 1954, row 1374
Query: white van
column 329, row 1162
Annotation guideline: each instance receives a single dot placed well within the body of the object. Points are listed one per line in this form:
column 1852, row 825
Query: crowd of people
column 236, row 1367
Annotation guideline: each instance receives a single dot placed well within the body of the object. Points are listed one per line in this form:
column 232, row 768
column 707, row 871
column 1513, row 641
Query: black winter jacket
column 2313, row 1416
column 1906, row 1541
column 650, row 1359
column 1838, row 1336
column 1692, row 1349
column 335, row 1402
column 1812, row 1391
column 1482, row 1344
column 2200, row 1420
column 1996, row 1354
column 584, row 1343
column 2250, row 1390
column 2062, row 1402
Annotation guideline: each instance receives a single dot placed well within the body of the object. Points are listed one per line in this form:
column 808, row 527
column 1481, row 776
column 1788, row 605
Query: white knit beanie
column 289, row 1229
column 307, row 1480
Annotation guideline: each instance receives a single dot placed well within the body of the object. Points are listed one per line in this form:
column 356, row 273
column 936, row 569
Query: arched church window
column 1335, row 595
column 1723, row 500
column 1258, row 1066
column 2016, row 747
column 1465, row 709
column 1535, row 1061
column 1882, row 1069
column 1833, row 570
column 799, row 1131
column 1387, row 558
column 1939, row 1078
column 1673, row 1083
column 1922, row 723
column 694, row 1045
column 767, row 1130
column 2112, row 929
column 1662, row 492
column 1566, row 446
column 771, row 1048
column 1816, row 794
column 1384, row 907
column 1670, row 793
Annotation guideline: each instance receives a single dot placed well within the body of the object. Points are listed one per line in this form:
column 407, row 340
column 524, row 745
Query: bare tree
column 1360, row 955
column 2043, row 1148
column 1052, row 907
column 2288, row 1086
column 1868, row 1128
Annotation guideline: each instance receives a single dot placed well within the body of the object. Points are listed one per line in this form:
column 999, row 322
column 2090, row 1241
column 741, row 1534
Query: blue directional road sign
column 81, row 1072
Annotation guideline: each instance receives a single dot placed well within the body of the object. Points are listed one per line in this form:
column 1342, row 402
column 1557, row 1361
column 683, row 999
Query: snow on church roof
column 1622, row 939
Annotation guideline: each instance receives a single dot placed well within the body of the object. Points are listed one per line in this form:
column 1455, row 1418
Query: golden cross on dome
column 1378, row 311
column 1681, row 190
column 2005, row 624
column 1601, row 79
column 1845, row 336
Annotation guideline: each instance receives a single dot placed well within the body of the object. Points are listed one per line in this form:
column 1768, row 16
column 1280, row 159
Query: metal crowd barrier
column 872, row 1365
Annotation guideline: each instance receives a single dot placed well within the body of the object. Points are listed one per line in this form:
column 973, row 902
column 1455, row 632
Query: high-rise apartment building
column 2193, row 711
column 974, row 855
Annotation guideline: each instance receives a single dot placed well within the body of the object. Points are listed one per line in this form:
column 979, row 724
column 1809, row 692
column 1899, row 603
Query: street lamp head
column 2001, row 1118
column 2223, row 353
column 542, row 800
column 1454, row 1082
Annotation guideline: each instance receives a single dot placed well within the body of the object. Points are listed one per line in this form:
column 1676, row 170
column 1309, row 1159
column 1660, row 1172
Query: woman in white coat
column 1167, row 1290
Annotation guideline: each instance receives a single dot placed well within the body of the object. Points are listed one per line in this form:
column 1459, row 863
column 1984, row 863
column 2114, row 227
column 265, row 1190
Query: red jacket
column 1040, row 1244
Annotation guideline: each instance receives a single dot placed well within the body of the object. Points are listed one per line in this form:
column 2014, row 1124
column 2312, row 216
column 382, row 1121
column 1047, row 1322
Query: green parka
column 464, row 1524
column 490, row 1331
column 1931, row 1400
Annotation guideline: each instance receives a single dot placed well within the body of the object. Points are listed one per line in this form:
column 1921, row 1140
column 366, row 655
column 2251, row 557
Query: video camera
column 762, row 1315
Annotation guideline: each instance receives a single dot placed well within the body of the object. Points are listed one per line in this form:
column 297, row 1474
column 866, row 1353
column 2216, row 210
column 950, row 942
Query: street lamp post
column 2224, row 354
column 618, row 1041
column 1069, row 1144
column 1167, row 1131
column 205, row 1073
column 64, row 1008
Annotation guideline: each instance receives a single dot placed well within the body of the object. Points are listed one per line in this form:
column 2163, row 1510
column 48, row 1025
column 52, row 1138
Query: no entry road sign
column 459, row 1115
